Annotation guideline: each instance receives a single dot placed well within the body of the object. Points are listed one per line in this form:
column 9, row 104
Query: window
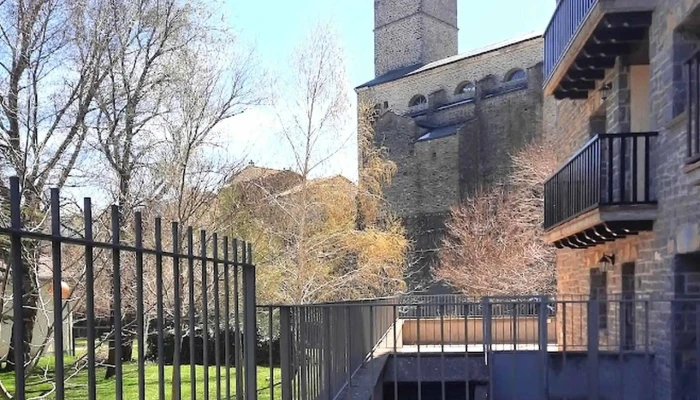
column 693, row 107
column 417, row 100
column 516, row 75
column 599, row 291
column 466, row 88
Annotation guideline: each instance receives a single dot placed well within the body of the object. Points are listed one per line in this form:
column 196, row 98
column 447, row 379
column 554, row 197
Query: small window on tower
column 417, row 100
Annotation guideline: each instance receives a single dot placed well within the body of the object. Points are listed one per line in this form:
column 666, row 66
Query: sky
column 275, row 27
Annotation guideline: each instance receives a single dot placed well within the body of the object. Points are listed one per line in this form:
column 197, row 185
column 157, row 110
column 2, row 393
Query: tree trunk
column 29, row 304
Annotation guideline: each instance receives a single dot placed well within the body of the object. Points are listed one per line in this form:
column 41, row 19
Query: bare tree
column 494, row 243
column 174, row 77
column 52, row 58
column 308, row 234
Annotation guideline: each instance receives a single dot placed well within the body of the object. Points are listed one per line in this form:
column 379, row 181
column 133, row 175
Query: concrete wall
column 519, row 375
column 459, row 331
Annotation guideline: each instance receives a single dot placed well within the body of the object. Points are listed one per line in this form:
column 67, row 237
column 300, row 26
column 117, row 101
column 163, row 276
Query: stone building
column 449, row 121
column 624, row 208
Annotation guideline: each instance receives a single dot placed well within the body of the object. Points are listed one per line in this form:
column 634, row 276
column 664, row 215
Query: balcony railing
column 610, row 170
column 565, row 23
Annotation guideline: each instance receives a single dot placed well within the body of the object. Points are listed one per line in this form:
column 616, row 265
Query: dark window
column 466, row 88
column 417, row 100
column 693, row 102
column 599, row 291
column 386, row 105
column 516, row 75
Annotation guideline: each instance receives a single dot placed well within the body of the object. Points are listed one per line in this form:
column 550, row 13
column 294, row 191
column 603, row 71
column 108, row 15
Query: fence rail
column 326, row 349
column 198, row 311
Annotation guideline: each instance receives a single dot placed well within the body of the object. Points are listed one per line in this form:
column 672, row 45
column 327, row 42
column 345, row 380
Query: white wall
column 41, row 327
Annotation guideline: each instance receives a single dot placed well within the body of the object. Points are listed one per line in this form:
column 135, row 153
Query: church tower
column 411, row 32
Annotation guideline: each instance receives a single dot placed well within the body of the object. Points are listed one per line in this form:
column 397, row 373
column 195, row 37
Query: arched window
column 417, row 100
column 516, row 75
column 465, row 88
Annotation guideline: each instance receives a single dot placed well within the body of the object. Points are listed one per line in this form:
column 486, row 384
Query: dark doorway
column 627, row 314
column 433, row 390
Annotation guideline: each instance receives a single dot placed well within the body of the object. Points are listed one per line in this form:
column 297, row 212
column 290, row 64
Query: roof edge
column 417, row 69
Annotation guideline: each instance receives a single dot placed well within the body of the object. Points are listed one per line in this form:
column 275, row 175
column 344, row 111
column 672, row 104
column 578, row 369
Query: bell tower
column 413, row 32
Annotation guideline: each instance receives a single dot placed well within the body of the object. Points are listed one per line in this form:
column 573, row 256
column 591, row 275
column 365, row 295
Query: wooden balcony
column 604, row 192
column 583, row 39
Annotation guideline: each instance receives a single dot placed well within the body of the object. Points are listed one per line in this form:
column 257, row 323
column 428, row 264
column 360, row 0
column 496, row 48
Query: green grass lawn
column 76, row 387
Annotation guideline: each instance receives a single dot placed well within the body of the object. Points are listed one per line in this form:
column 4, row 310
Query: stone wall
column 411, row 32
column 496, row 63
column 666, row 259
column 489, row 124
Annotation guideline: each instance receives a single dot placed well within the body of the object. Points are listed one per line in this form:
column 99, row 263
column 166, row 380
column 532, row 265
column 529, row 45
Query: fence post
column 486, row 325
column 286, row 352
column 486, row 315
column 249, row 326
column 593, row 343
column 543, row 338
column 17, row 287
column 327, row 361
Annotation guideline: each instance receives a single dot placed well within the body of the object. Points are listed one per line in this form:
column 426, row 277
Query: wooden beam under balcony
column 577, row 85
column 590, row 35
column 596, row 63
column 627, row 20
column 619, row 35
column 586, row 75
column 605, row 50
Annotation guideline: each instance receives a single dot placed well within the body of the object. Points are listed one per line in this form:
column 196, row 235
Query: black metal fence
column 459, row 305
column 607, row 349
column 611, row 169
column 198, row 311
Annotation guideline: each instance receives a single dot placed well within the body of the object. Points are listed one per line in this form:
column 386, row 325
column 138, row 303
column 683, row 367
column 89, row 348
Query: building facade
column 624, row 208
column 448, row 121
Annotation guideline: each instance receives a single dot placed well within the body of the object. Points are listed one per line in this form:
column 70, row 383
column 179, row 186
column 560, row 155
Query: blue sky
column 276, row 26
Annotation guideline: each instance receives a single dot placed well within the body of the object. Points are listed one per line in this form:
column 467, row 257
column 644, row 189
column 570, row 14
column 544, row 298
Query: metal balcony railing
column 565, row 23
column 611, row 169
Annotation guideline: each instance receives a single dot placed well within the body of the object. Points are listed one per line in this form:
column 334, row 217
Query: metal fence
column 192, row 305
column 459, row 305
column 577, row 348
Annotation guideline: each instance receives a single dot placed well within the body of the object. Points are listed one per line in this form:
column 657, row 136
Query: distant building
column 44, row 316
column 449, row 121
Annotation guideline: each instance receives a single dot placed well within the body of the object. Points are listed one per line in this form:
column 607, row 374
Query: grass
column 77, row 386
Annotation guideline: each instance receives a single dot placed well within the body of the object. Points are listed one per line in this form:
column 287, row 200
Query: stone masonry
column 449, row 121
column 666, row 260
